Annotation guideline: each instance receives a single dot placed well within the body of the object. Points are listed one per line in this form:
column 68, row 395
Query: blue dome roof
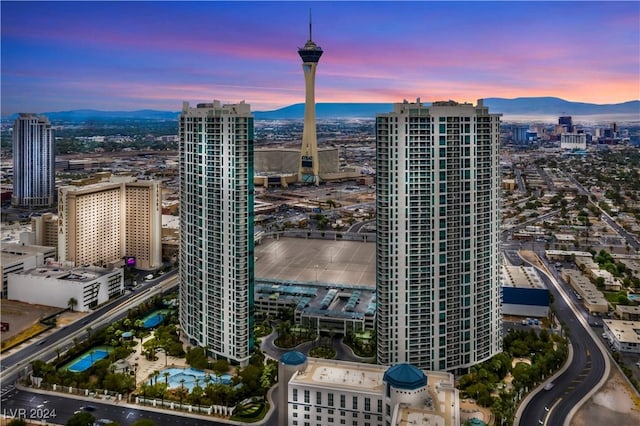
column 405, row 376
column 293, row 358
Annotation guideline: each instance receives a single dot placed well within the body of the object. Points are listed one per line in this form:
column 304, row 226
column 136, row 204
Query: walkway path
column 146, row 367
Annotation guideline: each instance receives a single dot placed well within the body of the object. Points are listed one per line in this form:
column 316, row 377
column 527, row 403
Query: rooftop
column 624, row 331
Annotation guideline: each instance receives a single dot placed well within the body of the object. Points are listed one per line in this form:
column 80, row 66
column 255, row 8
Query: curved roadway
column 587, row 371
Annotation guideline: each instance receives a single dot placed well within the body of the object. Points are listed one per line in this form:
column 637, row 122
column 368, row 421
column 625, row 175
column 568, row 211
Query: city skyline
column 138, row 55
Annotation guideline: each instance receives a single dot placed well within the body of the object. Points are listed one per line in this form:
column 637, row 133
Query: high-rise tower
column 309, row 161
column 216, row 228
column 34, row 181
column 438, row 258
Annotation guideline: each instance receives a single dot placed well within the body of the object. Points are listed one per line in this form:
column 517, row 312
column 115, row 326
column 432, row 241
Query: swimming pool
column 89, row 358
column 635, row 297
column 189, row 375
column 154, row 318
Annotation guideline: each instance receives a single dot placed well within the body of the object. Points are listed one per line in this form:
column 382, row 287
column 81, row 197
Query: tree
column 17, row 422
column 220, row 367
column 81, row 419
column 72, row 303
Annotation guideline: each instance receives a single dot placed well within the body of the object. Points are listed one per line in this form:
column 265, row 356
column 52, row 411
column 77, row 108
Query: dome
column 405, row 376
column 293, row 358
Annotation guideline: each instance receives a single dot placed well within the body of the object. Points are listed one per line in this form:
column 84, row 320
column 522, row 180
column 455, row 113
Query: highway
column 585, row 373
column 13, row 365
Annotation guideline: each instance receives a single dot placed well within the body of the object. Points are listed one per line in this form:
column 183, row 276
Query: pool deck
column 146, row 368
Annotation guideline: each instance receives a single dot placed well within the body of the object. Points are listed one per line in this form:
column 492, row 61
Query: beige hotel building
column 100, row 224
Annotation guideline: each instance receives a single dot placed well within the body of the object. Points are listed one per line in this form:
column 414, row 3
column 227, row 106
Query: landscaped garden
column 362, row 343
column 528, row 359
column 104, row 362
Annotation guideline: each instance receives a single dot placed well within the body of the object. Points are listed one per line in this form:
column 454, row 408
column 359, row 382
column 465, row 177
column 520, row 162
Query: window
column 295, row 394
column 306, row 396
column 318, row 398
column 355, row 403
column 342, row 401
column 367, row 404
column 330, row 400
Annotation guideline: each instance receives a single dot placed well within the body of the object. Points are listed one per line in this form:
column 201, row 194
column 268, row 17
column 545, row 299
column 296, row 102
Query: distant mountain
column 557, row 106
column 540, row 106
column 518, row 106
column 85, row 115
column 326, row 111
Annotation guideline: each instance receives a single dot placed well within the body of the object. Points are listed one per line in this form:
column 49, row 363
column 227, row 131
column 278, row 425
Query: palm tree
column 58, row 350
column 72, row 303
column 181, row 391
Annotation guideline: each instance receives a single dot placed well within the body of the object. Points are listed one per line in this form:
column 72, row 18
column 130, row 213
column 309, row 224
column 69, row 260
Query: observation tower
column 309, row 160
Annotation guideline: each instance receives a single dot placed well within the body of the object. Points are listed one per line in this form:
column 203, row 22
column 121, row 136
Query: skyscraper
column 309, row 161
column 34, row 180
column 438, row 252
column 216, row 228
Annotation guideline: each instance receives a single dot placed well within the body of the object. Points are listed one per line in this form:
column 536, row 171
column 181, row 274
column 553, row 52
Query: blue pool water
column 189, row 375
column 154, row 318
column 87, row 359
column 635, row 297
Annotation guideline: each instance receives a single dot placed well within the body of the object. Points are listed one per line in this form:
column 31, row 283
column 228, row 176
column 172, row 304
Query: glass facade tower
column 438, row 251
column 216, row 229
column 34, row 174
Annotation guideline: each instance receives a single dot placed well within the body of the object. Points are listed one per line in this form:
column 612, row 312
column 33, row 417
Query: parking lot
column 311, row 260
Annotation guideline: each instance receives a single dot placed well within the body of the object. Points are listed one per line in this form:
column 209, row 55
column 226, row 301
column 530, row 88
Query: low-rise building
column 592, row 298
column 623, row 335
column 523, row 292
column 319, row 392
column 611, row 283
column 323, row 307
column 15, row 258
column 56, row 286
column 629, row 313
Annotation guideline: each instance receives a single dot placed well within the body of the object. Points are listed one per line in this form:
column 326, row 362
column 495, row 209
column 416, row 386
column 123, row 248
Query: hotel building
column 34, row 183
column 216, row 229
column 319, row 392
column 100, row 224
column 438, row 257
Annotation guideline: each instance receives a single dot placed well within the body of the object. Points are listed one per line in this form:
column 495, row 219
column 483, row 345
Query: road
column 58, row 409
column 553, row 407
column 13, row 364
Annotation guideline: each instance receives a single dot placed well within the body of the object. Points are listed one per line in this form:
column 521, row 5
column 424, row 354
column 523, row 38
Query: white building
column 216, row 228
column 55, row 286
column 438, row 257
column 319, row 392
column 624, row 335
column 100, row 224
column 34, row 183
column 16, row 258
column 573, row 141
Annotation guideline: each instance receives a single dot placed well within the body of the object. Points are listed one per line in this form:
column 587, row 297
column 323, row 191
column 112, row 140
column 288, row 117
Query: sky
column 121, row 55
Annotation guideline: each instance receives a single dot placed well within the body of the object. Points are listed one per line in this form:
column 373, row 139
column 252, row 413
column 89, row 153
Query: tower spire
column 310, row 24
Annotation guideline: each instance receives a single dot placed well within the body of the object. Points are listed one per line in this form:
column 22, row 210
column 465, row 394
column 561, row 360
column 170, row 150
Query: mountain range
column 530, row 106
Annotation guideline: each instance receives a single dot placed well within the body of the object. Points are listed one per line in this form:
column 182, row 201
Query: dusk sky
column 154, row 55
